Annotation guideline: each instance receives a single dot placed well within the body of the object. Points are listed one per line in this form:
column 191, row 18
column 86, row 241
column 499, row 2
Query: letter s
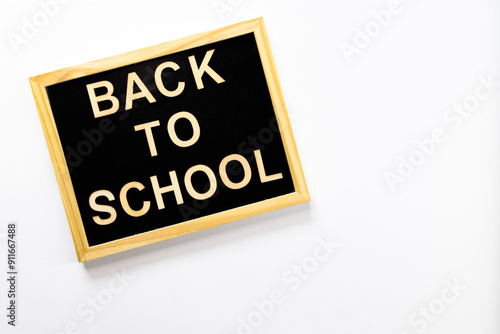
column 88, row 312
column 421, row 322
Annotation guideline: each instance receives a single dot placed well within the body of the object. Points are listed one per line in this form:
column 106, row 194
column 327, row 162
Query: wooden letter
column 125, row 204
column 144, row 92
column 246, row 169
column 189, row 185
column 199, row 71
column 159, row 191
column 262, row 171
column 159, row 82
column 194, row 123
column 94, row 100
column 149, row 135
column 103, row 208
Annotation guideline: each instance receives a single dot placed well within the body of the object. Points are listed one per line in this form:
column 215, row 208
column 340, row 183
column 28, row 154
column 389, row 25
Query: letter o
column 84, row 148
column 105, row 297
column 246, row 170
column 255, row 319
column 268, row 133
column 467, row 103
column 416, row 158
column 211, row 179
column 274, row 125
column 173, row 135
column 44, row 19
column 370, row 32
column 310, row 264
column 440, row 306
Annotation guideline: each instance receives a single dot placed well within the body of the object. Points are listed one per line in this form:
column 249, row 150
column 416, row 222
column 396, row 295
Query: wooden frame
column 83, row 250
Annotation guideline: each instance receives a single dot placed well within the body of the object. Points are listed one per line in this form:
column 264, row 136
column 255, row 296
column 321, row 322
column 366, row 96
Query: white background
column 353, row 121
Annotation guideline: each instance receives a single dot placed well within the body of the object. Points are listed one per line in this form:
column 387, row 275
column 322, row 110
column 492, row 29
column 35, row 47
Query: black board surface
column 235, row 116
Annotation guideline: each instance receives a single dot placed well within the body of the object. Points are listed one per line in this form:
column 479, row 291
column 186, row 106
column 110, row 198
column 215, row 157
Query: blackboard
column 170, row 139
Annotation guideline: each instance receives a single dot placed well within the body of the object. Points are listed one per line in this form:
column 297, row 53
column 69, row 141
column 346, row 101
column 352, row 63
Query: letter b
column 382, row 16
column 50, row 7
column 94, row 99
column 427, row 146
column 95, row 136
column 243, row 327
column 266, row 307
